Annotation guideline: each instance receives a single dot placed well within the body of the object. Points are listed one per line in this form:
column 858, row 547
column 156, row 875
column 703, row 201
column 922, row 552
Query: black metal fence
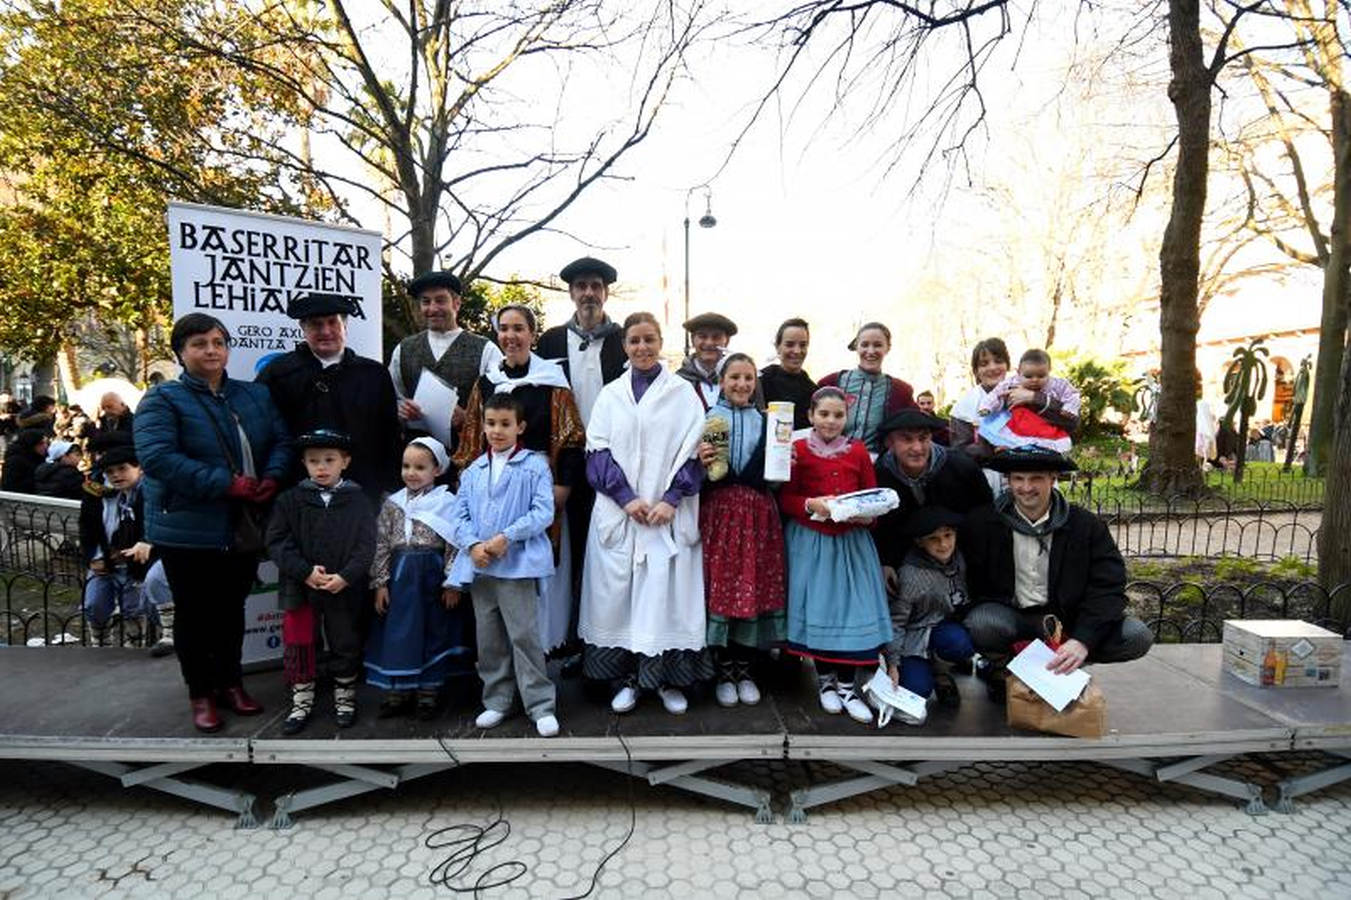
column 1212, row 528
column 45, row 580
column 1263, row 484
column 1190, row 612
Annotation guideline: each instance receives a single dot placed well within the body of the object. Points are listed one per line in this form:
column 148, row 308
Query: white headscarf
column 436, row 449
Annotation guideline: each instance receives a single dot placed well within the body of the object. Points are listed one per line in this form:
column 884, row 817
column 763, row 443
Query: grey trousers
column 994, row 626
column 506, row 615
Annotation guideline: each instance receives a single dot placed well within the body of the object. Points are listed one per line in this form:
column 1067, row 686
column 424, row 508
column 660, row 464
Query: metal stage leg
column 356, row 780
column 161, row 778
column 877, row 776
column 1290, row 788
column 683, row 776
column 1188, row 772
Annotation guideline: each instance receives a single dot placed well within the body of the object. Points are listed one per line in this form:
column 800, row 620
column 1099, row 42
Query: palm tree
column 1245, row 382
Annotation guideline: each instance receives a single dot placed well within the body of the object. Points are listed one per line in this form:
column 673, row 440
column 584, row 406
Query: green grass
column 1263, row 482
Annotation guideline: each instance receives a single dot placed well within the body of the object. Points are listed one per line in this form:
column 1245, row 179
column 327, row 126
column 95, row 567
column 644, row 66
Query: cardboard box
column 1282, row 653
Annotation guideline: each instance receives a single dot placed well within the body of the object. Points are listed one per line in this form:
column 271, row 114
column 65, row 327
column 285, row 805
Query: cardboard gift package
column 1282, row 653
column 1085, row 717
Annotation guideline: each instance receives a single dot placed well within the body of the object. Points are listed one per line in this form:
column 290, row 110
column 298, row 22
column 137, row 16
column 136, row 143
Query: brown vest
column 457, row 367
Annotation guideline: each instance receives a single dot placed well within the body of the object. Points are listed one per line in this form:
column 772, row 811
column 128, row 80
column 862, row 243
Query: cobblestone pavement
column 991, row 830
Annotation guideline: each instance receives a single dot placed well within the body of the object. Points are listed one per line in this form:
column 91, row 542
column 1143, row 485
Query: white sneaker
column 858, row 710
column 547, row 726
column 625, row 700
column 489, row 718
column 747, row 692
column 674, row 700
column 830, row 696
column 725, row 693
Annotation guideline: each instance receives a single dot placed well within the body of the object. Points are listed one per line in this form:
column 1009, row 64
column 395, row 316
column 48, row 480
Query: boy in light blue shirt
column 500, row 521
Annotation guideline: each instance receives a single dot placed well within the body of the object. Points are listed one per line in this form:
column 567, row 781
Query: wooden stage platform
column 1172, row 716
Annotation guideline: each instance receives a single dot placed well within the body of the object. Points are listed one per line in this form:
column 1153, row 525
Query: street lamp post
column 705, row 221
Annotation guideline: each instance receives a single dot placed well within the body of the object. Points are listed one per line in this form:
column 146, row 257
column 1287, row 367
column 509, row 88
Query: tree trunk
column 1296, row 417
column 68, row 371
column 142, row 355
column 1334, row 535
column 1332, row 328
column 1172, row 465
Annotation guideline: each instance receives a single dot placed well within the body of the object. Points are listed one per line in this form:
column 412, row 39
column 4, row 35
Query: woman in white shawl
column 642, row 608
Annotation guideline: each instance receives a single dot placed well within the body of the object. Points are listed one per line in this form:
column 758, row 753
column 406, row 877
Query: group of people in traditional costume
column 593, row 506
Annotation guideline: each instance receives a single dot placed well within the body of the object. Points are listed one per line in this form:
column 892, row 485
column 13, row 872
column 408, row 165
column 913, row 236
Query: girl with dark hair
column 209, row 446
column 871, row 395
column 990, row 364
column 786, row 380
column 837, row 603
column 742, row 536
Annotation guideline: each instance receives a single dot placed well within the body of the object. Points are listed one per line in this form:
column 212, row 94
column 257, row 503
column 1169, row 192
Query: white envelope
column 1057, row 690
column 437, row 400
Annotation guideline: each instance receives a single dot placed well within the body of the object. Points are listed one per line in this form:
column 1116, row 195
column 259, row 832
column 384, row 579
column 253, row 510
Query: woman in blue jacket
column 211, row 448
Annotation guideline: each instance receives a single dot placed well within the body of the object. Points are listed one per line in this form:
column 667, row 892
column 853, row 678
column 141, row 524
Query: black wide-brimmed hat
column 589, row 265
column 1030, row 459
column 440, row 279
column 928, row 519
column 316, row 303
column 711, row 321
column 910, row 418
column 119, row 455
column 324, row 439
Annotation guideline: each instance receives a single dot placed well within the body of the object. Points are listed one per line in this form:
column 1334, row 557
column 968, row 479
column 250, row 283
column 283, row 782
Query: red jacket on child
column 815, row 476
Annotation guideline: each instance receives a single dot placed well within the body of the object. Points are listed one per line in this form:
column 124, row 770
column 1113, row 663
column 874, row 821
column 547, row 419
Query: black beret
column 711, row 321
column 119, row 455
column 910, row 418
column 324, row 439
column 1030, row 459
column 589, row 265
column 428, row 280
column 928, row 519
column 319, row 304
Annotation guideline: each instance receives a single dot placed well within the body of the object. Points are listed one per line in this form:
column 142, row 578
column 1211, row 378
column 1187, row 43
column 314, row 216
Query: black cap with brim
column 319, row 304
column 911, row 418
column 1030, row 459
column 428, row 280
column 589, row 265
column 711, row 321
column 928, row 519
column 324, row 439
column 119, row 455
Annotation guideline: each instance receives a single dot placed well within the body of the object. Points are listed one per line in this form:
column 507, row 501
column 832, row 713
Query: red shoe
column 234, row 698
column 204, row 715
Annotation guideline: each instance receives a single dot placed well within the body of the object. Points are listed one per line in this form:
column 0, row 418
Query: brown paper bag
column 1085, row 717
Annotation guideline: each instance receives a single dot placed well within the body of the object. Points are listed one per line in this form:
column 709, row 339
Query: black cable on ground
column 467, row 841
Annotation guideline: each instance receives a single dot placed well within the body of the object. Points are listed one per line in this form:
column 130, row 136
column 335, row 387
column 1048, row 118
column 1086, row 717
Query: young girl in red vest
column 837, row 603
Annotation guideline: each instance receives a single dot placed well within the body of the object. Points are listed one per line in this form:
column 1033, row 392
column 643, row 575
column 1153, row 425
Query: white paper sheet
column 896, row 697
column 437, row 401
column 1057, row 690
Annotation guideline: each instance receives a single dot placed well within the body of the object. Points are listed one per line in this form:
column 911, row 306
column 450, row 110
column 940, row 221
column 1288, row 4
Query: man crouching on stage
column 1034, row 554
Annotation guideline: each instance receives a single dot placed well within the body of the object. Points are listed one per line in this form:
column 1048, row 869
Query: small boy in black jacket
column 322, row 538
column 123, row 568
